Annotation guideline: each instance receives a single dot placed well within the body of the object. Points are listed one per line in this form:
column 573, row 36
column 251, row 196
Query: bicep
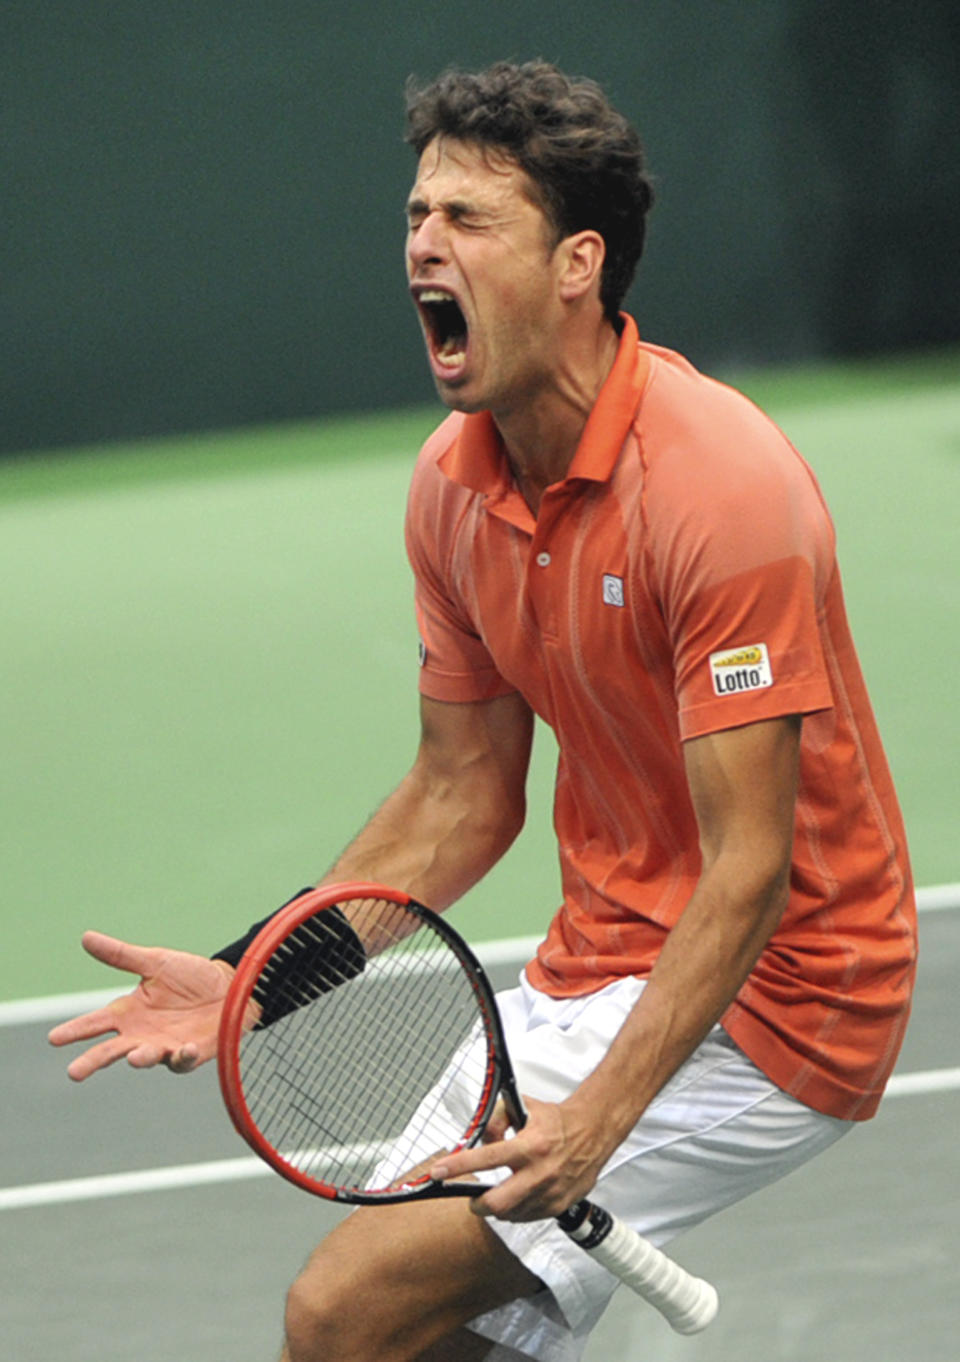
column 482, row 746
column 743, row 785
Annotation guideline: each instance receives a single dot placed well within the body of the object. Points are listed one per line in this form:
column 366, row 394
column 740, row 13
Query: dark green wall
column 201, row 217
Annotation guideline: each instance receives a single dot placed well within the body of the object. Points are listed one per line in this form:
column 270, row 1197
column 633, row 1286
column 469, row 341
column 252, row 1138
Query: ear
column 581, row 262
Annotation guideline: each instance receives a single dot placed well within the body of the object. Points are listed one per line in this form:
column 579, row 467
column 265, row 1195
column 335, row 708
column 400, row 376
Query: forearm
column 457, row 810
column 745, row 822
column 743, row 786
column 454, row 814
column 558, row 1155
column 430, row 838
column 704, row 963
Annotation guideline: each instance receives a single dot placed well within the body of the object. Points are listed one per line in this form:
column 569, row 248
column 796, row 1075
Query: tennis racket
column 360, row 1039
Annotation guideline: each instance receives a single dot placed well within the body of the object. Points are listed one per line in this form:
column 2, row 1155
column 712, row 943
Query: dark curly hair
column 585, row 161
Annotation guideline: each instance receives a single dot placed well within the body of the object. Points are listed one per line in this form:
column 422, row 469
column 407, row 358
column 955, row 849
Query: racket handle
column 687, row 1303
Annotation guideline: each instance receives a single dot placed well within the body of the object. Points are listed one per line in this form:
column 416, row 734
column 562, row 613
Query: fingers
column 139, row 1054
column 499, row 1123
column 483, row 1157
column 110, row 951
column 185, row 1060
column 83, row 1028
column 119, row 954
column 181, row 1060
column 99, row 1057
column 170, row 1021
column 512, row 1201
column 519, row 1197
column 544, row 1176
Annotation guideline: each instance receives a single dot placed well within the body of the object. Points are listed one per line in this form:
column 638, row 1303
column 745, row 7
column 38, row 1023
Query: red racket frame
column 499, row 1077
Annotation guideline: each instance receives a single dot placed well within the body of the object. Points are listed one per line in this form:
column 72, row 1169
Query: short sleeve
column 454, row 662
column 742, row 554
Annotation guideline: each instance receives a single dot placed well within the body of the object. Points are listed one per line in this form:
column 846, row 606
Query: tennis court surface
column 852, row 1258
column 210, row 646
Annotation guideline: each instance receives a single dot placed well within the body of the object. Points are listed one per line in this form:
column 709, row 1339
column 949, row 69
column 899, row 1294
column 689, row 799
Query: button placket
column 543, row 583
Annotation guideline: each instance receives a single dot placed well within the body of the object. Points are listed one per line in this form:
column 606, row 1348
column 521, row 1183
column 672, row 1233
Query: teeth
column 436, row 295
column 457, row 357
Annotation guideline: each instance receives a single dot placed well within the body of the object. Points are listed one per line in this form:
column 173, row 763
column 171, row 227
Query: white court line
column 929, row 1080
column 932, row 898
column 179, row 1176
column 123, row 1184
column 24, row 1011
column 511, row 951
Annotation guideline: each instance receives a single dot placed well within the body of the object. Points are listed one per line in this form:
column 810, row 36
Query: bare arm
column 743, row 785
column 457, row 810
column 450, row 819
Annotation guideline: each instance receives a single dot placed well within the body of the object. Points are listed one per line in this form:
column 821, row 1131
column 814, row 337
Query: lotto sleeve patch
column 735, row 670
column 751, row 650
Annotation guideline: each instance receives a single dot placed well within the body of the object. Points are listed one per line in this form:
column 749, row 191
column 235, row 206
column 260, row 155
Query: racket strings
column 360, row 1081
column 311, row 1097
column 406, row 1027
column 300, row 1089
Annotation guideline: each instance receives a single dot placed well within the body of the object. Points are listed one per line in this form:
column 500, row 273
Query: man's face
column 482, row 271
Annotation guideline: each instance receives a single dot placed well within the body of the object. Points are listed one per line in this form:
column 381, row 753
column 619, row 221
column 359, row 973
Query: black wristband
column 317, row 964
column 233, row 953
column 319, row 955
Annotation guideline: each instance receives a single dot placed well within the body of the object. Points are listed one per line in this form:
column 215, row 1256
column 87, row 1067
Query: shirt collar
column 476, row 458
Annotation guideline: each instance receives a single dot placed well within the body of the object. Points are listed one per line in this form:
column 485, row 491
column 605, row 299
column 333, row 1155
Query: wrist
column 232, row 954
column 605, row 1111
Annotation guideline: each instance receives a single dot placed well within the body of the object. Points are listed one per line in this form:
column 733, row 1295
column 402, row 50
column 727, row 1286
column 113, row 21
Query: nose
column 427, row 242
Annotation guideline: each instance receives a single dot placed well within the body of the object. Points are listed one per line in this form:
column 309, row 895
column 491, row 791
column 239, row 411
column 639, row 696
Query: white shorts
column 717, row 1131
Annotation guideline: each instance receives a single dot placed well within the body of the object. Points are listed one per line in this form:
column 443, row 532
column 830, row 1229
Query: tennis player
column 604, row 537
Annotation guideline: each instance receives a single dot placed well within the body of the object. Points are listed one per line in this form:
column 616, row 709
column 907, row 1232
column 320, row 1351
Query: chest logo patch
column 612, row 590
column 741, row 669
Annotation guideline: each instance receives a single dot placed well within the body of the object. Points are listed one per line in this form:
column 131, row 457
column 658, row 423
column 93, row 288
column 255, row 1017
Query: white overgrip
column 688, row 1303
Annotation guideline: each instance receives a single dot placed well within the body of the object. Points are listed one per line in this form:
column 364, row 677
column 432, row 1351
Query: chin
column 458, row 400
column 463, row 404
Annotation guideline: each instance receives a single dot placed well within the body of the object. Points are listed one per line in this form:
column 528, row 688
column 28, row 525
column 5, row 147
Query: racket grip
column 687, row 1303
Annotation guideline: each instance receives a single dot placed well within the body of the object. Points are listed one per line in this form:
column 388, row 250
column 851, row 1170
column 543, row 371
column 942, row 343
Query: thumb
column 109, row 950
column 500, row 1122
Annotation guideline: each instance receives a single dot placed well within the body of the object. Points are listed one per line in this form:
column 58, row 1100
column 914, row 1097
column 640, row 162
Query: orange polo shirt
column 680, row 580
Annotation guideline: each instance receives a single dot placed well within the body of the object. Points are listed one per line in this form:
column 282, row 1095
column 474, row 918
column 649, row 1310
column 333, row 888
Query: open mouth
column 446, row 326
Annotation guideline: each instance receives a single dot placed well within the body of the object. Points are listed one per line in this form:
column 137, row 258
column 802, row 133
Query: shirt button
column 543, row 560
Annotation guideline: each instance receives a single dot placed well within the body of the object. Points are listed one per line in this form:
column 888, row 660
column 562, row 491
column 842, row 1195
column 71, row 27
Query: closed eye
column 463, row 215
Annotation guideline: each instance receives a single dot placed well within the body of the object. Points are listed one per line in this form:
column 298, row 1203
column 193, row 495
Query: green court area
column 210, row 661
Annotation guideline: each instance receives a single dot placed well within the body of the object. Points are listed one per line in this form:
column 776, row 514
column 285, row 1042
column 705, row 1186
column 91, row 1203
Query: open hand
column 171, row 1017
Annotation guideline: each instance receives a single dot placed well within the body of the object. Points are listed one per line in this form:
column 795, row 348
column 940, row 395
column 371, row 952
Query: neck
column 541, row 434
